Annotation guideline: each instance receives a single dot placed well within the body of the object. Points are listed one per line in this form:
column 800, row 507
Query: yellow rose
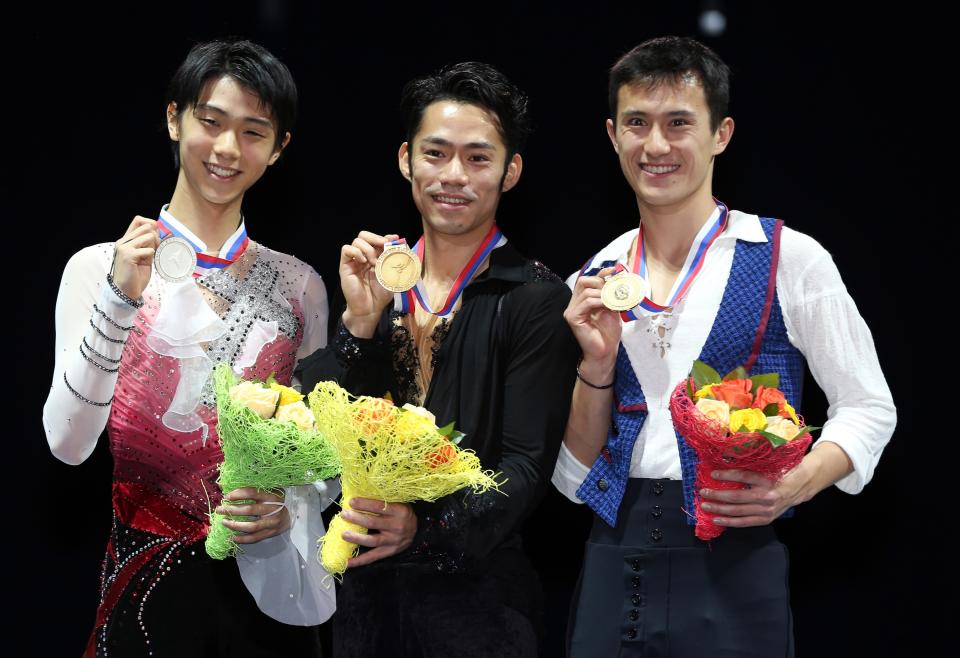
column 703, row 392
column 297, row 413
column 782, row 427
column 718, row 410
column 287, row 395
column 750, row 419
column 262, row 401
column 791, row 411
column 415, row 421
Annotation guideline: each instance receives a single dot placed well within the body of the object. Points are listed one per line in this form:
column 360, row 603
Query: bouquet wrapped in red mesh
column 736, row 422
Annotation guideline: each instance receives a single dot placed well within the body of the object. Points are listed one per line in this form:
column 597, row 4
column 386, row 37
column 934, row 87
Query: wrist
column 360, row 326
column 596, row 374
column 597, row 371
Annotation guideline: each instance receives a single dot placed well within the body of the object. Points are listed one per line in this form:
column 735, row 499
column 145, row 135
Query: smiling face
column 666, row 148
column 457, row 166
column 226, row 142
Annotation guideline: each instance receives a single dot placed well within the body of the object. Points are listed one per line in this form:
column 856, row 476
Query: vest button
column 634, row 615
column 635, row 581
column 656, row 511
column 632, row 634
column 656, row 534
column 658, row 488
column 635, row 599
column 602, row 485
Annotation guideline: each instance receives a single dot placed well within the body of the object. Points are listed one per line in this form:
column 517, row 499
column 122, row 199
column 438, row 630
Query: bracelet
column 83, row 399
column 118, row 341
column 135, row 303
column 591, row 384
column 96, row 364
column 111, row 320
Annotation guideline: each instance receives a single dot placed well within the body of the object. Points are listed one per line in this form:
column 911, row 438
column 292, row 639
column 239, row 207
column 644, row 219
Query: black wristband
column 591, row 384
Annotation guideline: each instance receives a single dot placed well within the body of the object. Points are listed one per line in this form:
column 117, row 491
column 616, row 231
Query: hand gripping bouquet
column 269, row 441
column 736, row 422
column 390, row 454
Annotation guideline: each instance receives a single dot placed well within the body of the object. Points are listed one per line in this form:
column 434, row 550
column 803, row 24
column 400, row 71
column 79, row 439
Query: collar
column 231, row 249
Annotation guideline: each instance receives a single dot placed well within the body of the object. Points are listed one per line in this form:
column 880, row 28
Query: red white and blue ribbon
column 404, row 302
column 696, row 257
column 231, row 250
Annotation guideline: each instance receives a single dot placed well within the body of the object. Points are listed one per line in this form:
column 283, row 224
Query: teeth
column 220, row 171
column 659, row 169
column 450, row 199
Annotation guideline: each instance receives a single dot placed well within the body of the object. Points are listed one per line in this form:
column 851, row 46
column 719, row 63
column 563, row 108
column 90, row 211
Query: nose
column 454, row 173
column 657, row 143
column 227, row 145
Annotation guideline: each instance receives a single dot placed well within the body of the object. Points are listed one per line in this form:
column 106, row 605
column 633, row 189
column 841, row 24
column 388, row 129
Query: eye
column 433, row 153
column 480, row 157
column 635, row 122
column 677, row 123
column 207, row 120
column 254, row 133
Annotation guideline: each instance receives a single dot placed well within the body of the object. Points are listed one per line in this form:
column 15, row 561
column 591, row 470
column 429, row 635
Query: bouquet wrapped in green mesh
column 269, row 441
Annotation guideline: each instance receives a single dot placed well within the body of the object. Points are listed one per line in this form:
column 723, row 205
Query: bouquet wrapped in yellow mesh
column 390, row 454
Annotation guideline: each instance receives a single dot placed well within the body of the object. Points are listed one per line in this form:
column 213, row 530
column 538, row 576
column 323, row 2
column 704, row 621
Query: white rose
column 297, row 413
column 782, row 427
column 718, row 410
column 262, row 401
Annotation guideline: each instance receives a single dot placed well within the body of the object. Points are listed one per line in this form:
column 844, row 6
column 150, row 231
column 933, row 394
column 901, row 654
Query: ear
column 173, row 122
column 612, row 134
column 723, row 136
column 512, row 177
column 403, row 160
column 276, row 154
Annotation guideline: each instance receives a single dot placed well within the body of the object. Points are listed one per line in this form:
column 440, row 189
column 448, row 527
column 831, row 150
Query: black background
column 841, row 119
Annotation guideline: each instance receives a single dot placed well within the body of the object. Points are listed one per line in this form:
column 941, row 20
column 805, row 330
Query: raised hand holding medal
column 364, row 294
column 133, row 257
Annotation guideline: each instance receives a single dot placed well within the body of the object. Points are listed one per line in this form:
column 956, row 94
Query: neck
column 669, row 231
column 446, row 255
column 211, row 222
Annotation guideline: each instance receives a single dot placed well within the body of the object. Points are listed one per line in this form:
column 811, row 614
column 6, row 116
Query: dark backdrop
column 840, row 118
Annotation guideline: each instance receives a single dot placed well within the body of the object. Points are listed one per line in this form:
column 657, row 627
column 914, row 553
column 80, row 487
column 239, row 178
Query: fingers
column 369, row 557
column 252, row 493
column 746, row 477
column 138, row 222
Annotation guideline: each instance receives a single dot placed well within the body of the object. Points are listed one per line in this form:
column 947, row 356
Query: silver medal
column 175, row 259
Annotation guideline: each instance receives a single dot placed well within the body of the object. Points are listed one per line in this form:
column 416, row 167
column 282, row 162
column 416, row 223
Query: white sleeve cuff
column 283, row 573
column 569, row 474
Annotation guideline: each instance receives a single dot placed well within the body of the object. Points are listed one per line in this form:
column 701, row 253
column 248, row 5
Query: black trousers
column 650, row 588
column 393, row 610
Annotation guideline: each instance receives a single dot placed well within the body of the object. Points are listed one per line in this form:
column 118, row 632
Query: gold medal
column 623, row 290
column 398, row 268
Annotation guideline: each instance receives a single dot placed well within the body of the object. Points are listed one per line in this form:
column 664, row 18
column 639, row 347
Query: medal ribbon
column 708, row 234
column 404, row 302
column 231, row 250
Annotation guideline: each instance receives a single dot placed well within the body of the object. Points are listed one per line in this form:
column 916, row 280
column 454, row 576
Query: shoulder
column 93, row 261
column 291, row 266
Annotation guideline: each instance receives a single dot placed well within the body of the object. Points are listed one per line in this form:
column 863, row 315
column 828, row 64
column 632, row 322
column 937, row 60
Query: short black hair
column 473, row 83
column 669, row 59
column 251, row 65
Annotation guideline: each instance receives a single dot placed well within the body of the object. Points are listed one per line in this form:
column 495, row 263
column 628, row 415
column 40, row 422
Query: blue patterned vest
column 748, row 331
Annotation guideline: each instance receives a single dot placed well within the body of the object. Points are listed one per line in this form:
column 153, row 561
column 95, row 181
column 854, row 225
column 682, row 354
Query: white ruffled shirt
column 282, row 572
column 822, row 322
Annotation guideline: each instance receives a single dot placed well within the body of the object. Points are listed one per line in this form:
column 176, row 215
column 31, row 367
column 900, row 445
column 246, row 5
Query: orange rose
column 442, row 455
column 374, row 413
column 735, row 392
column 766, row 395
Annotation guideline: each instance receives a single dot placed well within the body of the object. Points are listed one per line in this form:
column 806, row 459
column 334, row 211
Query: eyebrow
column 439, row 141
column 217, row 110
column 687, row 114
